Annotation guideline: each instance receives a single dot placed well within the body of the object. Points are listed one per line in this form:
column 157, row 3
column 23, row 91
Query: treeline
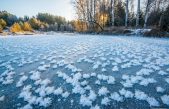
column 96, row 15
column 42, row 22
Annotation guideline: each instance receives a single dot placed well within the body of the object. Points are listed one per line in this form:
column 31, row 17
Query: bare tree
column 138, row 13
column 113, row 11
column 127, row 13
column 148, row 6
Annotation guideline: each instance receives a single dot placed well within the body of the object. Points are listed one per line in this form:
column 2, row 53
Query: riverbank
column 112, row 31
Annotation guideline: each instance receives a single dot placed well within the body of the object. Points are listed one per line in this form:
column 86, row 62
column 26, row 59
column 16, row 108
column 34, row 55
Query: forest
column 112, row 15
column 98, row 16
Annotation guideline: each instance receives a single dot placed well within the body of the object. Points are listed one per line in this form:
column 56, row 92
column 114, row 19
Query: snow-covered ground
column 82, row 71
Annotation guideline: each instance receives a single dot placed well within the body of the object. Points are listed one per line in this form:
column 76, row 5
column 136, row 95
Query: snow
column 85, row 101
column 111, row 80
column 162, row 73
column 147, row 81
column 92, row 95
column 65, row 94
column 105, row 101
column 115, row 68
column 28, row 106
column 35, row 75
column 167, row 80
column 115, row 96
column 95, row 107
column 58, row 91
column 86, row 76
column 152, row 101
column 103, row 91
column 126, row 93
column 165, row 99
column 160, row 89
column 21, row 80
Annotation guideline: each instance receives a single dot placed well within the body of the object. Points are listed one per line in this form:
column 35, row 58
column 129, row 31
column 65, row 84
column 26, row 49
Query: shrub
column 35, row 23
column 2, row 23
column 15, row 28
column 0, row 29
column 27, row 27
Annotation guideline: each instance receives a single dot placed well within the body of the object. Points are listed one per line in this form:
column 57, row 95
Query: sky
column 33, row 7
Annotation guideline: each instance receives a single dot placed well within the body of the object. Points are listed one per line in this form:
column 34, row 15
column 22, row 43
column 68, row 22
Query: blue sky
column 32, row 7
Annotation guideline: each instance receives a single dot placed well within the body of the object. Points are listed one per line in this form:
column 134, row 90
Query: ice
column 92, row 95
column 126, row 93
column 115, row 96
column 21, row 80
column 111, row 80
column 102, row 77
column 50, row 90
column 167, row 80
column 103, row 91
column 147, row 81
column 86, row 76
column 42, row 68
column 96, row 65
column 105, row 101
column 152, row 101
column 140, row 95
column 93, row 74
column 160, row 89
column 45, row 82
column 78, row 89
column 144, row 72
column 2, row 98
column 165, row 99
column 65, row 94
column 45, row 102
column 162, row 73
column 115, row 68
column 28, row 106
column 97, row 82
column 85, row 101
column 72, row 68
column 55, row 66
column 86, row 72
column 84, row 83
column 95, row 107
column 58, row 91
column 9, row 77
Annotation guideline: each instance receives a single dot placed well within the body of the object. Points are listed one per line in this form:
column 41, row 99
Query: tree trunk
column 147, row 12
column 138, row 14
column 126, row 19
column 113, row 11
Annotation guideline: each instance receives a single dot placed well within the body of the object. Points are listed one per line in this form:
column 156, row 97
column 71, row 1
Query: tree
column 35, row 23
column 138, row 13
column 148, row 6
column 113, row 11
column 27, row 26
column 127, row 13
column 9, row 18
column 15, row 28
column 2, row 23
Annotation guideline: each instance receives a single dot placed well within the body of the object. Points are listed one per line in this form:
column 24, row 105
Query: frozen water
column 165, row 99
column 83, row 71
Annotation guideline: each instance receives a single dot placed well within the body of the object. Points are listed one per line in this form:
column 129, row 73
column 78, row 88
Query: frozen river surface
column 70, row 71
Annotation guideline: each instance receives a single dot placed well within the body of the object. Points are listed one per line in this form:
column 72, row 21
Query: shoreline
column 126, row 32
